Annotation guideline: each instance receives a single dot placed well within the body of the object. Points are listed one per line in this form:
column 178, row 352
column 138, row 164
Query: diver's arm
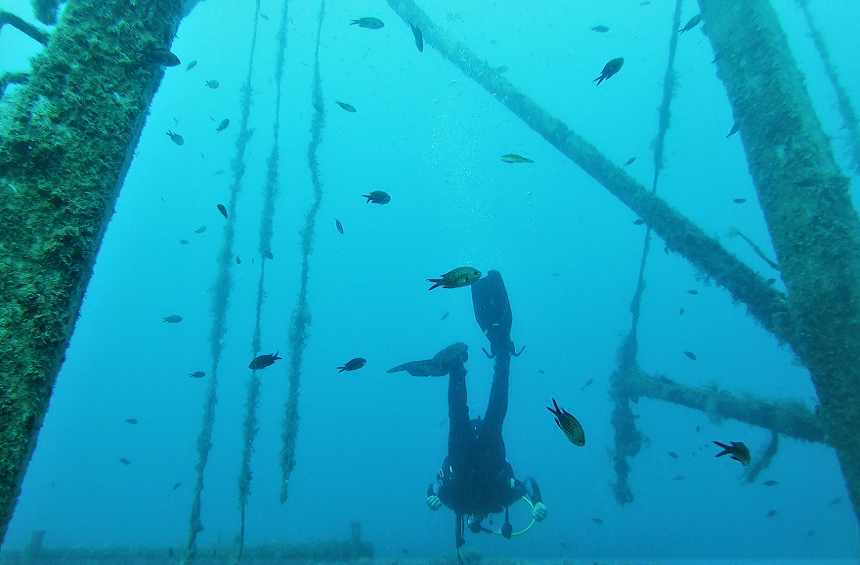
column 433, row 500
column 532, row 490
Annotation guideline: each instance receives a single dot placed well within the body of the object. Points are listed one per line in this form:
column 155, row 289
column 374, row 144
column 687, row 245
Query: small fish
column 405, row 551
column 183, row 242
column 672, row 454
column 445, row 315
column 681, row 312
column 223, row 125
column 419, row 38
column 610, row 69
column 569, row 425
column 197, row 375
column 770, row 281
column 213, row 84
column 170, row 552
column 835, row 501
column 131, row 420
column 347, row 107
column 263, row 361
column 698, row 429
column 643, row 4
column 690, row 355
column 541, row 371
column 737, row 450
column 268, row 255
column 124, row 461
column 175, row 138
column 502, row 69
column 739, row 200
column 597, row 520
column 462, row 276
column 553, row 274
column 174, row 319
column 694, row 21
column 693, row 292
column 161, row 57
column 222, row 209
column 265, row 17
column 514, row 158
column 219, row 172
column 352, row 365
column 590, row 381
column 238, row 260
column 338, row 225
column 177, row 485
column 201, row 229
column 638, row 222
column 191, row 65
column 368, row 23
column 770, row 483
column 600, row 29
column 630, row 161
column 810, row 533
column 734, row 130
column 771, row 514
column 679, row 478
column 377, row 197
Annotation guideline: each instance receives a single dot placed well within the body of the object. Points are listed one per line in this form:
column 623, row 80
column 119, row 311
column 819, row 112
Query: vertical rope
column 220, row 302
column 301, row 319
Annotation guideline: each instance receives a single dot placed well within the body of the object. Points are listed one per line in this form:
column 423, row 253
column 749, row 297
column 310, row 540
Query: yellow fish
column 464, row 276
column 568, row 424
column 511, row 158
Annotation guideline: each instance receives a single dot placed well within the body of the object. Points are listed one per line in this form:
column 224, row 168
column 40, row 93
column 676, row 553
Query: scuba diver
column 476, row 480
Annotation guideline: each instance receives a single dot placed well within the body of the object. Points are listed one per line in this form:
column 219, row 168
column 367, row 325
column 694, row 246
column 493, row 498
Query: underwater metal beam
column 804, row 197
column 680, row 234
column 66, row 142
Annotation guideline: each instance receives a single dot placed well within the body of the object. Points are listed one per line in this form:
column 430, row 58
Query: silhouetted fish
column 222, row 209
column 338, row 225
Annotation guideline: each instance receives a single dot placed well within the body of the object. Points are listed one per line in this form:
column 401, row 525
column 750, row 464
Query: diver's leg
column 497, row 407
column 458, row 413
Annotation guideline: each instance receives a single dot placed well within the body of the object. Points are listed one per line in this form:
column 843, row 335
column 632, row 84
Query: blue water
column 369, row 443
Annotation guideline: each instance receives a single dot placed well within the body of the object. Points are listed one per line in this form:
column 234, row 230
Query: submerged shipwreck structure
column 65, row 148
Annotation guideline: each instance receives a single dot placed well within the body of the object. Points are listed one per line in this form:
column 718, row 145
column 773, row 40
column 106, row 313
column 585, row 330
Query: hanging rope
column 301, row 315
column 271, row 192
column 220, row 302
column 628, row 439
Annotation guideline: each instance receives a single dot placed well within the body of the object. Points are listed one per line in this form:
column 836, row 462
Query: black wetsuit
column 476, row 479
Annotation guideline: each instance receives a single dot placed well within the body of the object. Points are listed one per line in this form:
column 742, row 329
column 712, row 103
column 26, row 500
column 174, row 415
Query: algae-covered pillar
column 813, row 225
column 66, row 142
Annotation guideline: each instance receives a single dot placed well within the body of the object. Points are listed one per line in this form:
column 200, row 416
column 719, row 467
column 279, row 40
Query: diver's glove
column 434, row 503
column 539, row 512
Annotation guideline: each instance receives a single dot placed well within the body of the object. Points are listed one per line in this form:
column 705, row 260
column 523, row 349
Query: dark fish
column 770, row 281
column 175, row 138
column 338, row 225
column 679, row 478
column 462, row 276
column 213, row 84
column 681, row 312
column 177, row 485
column 690, row 355
column 810, row 533
column 569, row 425
column 694, row 292
column 587, row 384
column 553, row 274
column 352, row 365
column 369, row 23
column 170, row 552
column 737, row 450
column 502, row 69
column 672, row 454
column 734, row 130
column 124, row 461
column 541, row 371
column 739, row 200
column 347, row 107
column 419, row 37
column 191, row 65
column 377, row 197
column 268, row 255
column 698, row 428
column 131, row 420
column 265, row 17
column 222, row 209
column 174, row 319
column 638, row 222
column 771, row 514
column 514, row 158
column 197, row 375
column 183, row 242
column 770, row 483
column 445, row 315
column 630, row 161
column 219, row 172
column 263, row 361
column 161, row 57
column 610, row 69
column 238, row 260
column 694, row 21
column 201, row 229
column 835, row 501
column 223, row 125
column 600, row 29
column 597, row 520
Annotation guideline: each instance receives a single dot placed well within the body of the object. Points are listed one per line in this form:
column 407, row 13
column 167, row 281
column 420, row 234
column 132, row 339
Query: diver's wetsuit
column 476, row 480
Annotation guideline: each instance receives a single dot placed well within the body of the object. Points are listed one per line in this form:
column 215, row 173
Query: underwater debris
column 459, row 277
column 377, row 197
column 175, row 138
column 569, row 425
column 514, row 158
column 609, row 70
column 368, row 23
column 174, row 319
column 347, row 107
column 352, row 365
